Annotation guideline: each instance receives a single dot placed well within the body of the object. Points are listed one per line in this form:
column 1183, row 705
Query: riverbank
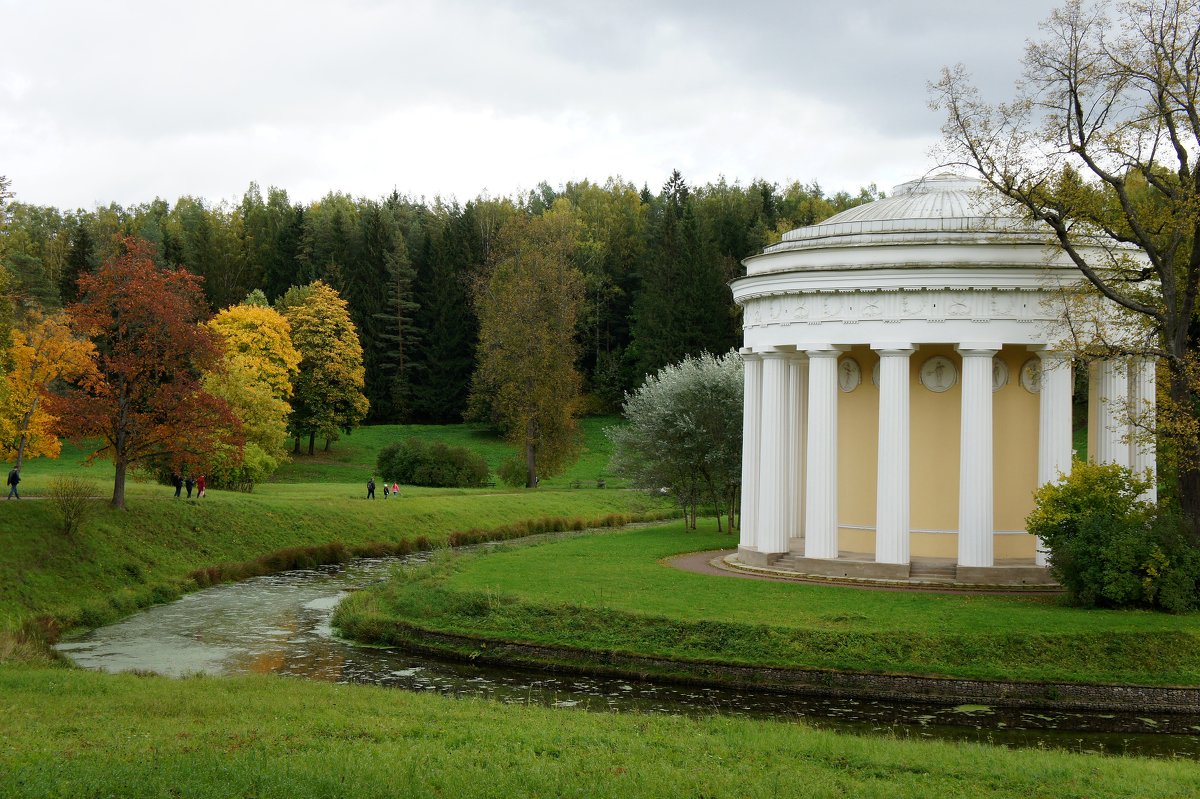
column 162, row 547
column 609, row 603
column 69, row 733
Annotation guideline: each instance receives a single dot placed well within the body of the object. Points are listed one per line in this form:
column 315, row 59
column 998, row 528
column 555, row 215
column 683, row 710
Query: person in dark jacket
column 188, row 483
column 14, row 477
column 371, row 488
column 177, row 481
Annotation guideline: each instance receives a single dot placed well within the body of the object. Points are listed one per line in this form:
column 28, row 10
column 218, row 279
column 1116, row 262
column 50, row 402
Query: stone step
column 932, row 570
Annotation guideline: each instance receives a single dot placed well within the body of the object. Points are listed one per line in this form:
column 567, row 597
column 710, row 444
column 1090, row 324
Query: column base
column 752, row 557
column 853, row 569
column 1004, row 575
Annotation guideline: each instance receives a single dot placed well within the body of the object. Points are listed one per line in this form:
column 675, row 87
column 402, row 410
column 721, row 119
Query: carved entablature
column 895, row 306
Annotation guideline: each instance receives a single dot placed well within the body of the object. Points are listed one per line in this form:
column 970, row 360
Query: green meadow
column 315, row 510
column 614, row 593
column 70, row 733
column 73, row 734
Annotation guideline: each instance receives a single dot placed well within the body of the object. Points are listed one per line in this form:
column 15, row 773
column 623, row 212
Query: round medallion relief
column 849, row 374
column 938, row 374
column 1031, row 375
column 999, row 373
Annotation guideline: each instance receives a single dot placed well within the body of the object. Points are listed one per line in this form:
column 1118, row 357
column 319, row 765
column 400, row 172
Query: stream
column 280, row 624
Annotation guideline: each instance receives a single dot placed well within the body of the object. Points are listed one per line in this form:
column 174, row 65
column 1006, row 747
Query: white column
column 892, row 483
column 975, row 490
column 820, row 483
column 1143, row 456
column 1112, row 401
column 1054, row 424
column 751, row 432
column 797, row 388
column 774, row 467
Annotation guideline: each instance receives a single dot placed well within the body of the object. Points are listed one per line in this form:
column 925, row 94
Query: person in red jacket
column 200, row 487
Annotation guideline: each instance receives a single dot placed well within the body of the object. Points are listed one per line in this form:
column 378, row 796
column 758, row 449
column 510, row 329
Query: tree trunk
column 118, row 500
column 296, row 450
column 312, row 442
column 531, row 455
column 1188, row 465
column 328, row 441
column 25, row 432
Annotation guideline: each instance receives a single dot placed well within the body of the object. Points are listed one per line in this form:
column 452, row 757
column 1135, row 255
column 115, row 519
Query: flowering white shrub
column 683, row 433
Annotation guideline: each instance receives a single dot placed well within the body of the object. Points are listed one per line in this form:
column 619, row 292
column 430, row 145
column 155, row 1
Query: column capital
column 978, row 348
column 825, row 350
column 893, row 348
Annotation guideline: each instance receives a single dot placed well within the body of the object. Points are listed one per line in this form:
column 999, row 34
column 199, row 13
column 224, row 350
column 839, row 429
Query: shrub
column 71, row 498
column 1108, row 548
column 514, row 472
column 417, row 462
column 683, row 435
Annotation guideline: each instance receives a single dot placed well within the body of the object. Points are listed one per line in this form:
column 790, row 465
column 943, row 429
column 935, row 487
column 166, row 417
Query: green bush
column 1108, row 548
column 514, row 472
column 420, row 463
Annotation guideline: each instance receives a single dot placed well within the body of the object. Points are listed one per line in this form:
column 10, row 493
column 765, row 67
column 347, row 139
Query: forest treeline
column 655, row 268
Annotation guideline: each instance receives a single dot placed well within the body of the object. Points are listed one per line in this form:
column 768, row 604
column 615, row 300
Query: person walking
column 14, row 477
column 200, row 487
column 371, row 488
column 188, row 483
column 385, row 489
column 177, row 481
column 395, row 489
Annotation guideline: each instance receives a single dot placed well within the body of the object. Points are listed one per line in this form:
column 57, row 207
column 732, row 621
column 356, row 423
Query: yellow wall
column 858, row 444
column 934, row 457
column 1015, row 450
column 933, row 446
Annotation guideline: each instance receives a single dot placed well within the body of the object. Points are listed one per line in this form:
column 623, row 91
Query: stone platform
column 860, row 568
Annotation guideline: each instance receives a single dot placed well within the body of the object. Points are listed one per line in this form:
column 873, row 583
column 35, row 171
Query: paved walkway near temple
column 713, row 563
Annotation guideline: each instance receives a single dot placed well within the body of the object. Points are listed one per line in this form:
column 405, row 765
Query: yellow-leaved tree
column 329, row 389
column 528, row 302
column 255, row 377
column 44, row 350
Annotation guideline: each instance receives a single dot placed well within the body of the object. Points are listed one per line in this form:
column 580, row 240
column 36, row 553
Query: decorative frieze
column 881, row 305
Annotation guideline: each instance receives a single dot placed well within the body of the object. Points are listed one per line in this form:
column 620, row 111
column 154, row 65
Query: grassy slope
column 610, row 592
column 75, row 734
column 160, row 539
column 70, row 733
column 353, row 457
column 123, row 560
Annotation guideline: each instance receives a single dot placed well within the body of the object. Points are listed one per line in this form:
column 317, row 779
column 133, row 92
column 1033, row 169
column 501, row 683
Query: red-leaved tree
column 148, row 404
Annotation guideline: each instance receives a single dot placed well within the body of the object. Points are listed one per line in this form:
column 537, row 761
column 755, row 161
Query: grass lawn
column 610, row 593
column 126, row 559
column 123, row 560
column 69, row 733
column 76, row 734
column 352, row 459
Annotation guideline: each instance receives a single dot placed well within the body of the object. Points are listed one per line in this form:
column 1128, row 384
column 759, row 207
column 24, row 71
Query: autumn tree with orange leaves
column 147, row 403
column 44, row 350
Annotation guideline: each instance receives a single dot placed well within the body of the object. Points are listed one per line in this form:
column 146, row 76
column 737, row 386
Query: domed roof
column 941, row 208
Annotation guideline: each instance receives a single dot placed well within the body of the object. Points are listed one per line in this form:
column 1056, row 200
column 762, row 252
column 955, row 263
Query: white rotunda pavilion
column 903, row 395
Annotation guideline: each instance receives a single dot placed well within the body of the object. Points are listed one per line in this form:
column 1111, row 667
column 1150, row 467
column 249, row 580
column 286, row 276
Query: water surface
column 280, row 624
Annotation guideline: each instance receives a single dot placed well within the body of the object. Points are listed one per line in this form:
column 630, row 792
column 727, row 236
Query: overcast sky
column 127, row 101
